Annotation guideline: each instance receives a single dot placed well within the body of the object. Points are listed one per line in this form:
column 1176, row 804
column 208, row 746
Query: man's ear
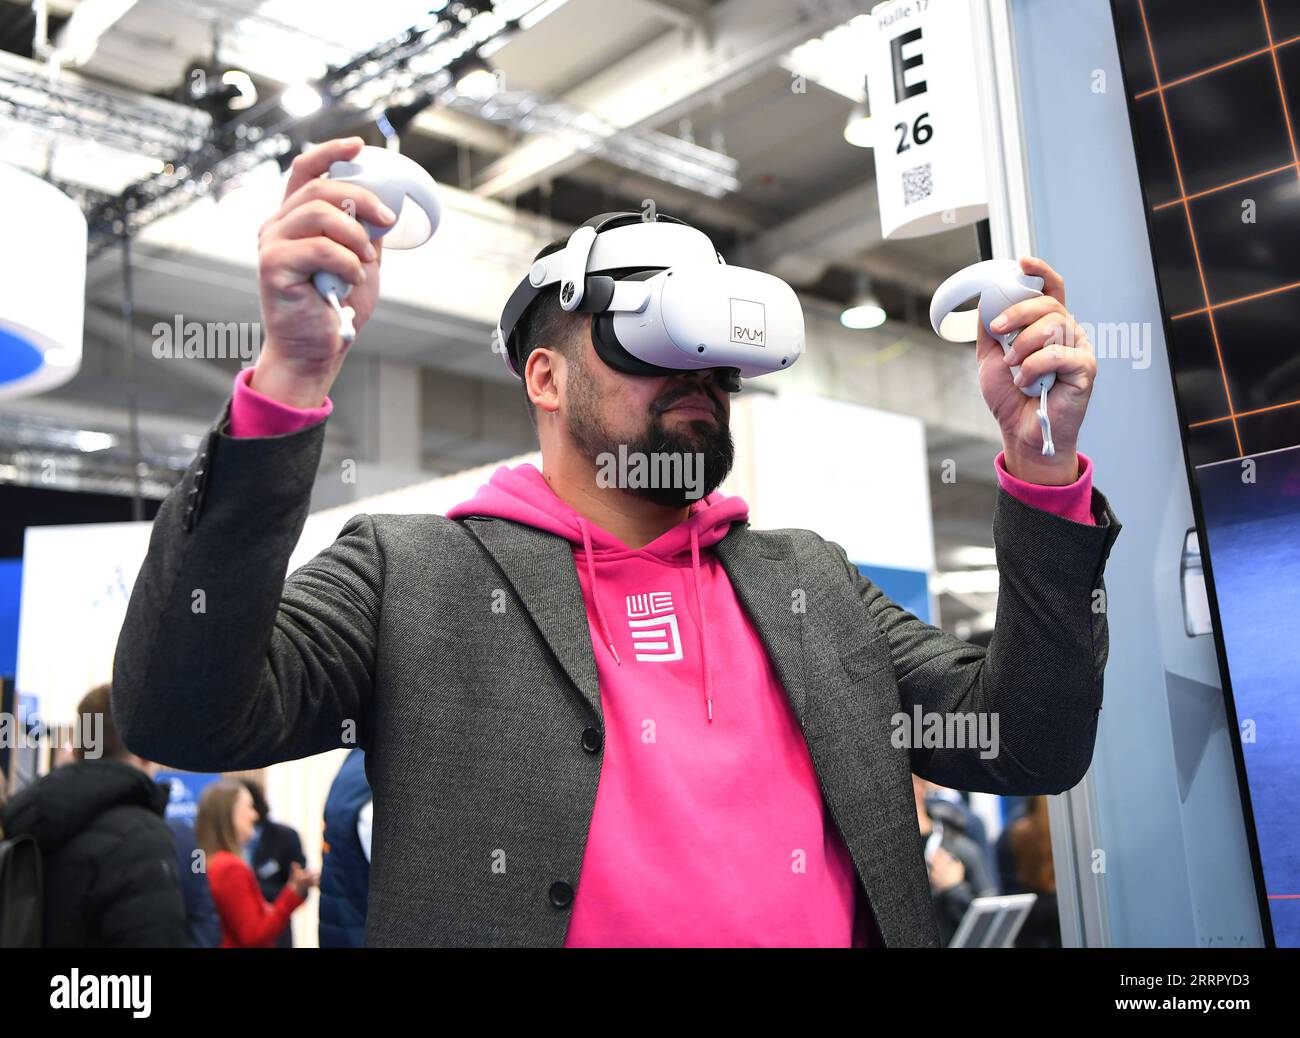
column 541, row 373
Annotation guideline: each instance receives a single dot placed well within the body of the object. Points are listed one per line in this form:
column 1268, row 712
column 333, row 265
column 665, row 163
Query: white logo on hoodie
column 653, row 625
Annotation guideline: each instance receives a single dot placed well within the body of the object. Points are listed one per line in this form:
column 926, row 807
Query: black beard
column 709, row 438
column 712, row 440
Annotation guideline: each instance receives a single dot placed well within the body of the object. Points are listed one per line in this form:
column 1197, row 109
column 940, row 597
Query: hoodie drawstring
column 704, row 623
column 591, row 579
column 699, row 608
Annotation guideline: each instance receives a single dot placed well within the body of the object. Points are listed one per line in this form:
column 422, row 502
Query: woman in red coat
column 225, row 823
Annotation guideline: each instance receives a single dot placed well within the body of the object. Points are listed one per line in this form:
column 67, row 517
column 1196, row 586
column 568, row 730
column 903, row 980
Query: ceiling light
column 93, row 441
column 300, row 100
column 864, row 310
column 863, row 316
column 478, row 83
column 859, row 130
column 835, row 60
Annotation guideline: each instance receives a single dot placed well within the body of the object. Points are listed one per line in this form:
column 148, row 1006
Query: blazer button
column 591, row 740
column 561, row 894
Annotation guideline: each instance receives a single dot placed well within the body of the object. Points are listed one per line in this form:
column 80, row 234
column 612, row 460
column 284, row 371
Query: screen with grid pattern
column 1213, row 90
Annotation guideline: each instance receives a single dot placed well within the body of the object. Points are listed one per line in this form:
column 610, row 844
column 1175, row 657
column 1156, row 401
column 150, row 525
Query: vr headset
column 663, row 301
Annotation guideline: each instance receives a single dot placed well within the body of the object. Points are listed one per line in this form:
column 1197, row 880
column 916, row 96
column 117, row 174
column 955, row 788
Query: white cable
column 1048, row 446
column 346, row 328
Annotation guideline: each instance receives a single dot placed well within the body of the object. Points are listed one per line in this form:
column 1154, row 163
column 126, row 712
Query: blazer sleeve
column 222, row 664
column 250, row 919
column 1040, row 679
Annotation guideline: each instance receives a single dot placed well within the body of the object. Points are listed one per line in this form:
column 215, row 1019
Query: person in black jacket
column 108, row 858
column 272, row 852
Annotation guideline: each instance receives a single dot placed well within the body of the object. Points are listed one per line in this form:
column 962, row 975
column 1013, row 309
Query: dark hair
column 544, row 323
column 259, row 797
column 99, row 701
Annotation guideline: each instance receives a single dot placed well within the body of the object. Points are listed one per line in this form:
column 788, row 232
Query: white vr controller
column 999, row 284
column 403, row 186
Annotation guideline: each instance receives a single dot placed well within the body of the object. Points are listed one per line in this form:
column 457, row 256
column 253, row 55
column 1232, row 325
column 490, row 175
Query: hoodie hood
column 61, row 805
column 522, row 495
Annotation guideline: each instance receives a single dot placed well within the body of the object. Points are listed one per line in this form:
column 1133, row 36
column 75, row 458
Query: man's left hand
column 1050, row 340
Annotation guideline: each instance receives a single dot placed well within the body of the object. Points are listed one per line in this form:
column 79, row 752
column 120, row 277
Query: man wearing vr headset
column 606, row 713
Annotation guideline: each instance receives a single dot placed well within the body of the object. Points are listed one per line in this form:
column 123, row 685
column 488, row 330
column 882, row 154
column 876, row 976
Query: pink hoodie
column 709, row 826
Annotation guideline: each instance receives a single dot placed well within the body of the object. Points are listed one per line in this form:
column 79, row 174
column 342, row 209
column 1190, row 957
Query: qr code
column 917, row 184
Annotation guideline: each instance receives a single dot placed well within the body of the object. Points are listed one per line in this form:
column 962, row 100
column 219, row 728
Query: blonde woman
column 225, row 824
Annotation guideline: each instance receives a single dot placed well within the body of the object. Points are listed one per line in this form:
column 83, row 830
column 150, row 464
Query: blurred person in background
column 958, row 873
column 951, row 807
column 226, row 822
column 108, row 858
column 345, row 868
column 202, row 924
column 1025, row 855
column 272, row 852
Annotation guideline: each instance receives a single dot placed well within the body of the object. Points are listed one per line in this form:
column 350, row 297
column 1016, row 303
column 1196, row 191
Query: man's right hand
column 316, row 228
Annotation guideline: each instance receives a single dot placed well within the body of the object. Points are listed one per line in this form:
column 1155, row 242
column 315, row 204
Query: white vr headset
column 663, row 301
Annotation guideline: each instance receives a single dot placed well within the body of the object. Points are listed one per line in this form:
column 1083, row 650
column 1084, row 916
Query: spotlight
column 300, row 100
column 473, row 77
column 864, row 311
column 859, row 130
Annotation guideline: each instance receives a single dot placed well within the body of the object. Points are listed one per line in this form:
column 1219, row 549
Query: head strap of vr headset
column 581, row 292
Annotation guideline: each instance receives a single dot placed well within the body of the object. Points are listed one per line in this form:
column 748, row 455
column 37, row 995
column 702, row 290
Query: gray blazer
column 483, row 728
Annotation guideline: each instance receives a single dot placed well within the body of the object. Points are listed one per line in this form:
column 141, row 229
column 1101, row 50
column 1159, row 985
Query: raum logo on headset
column 748, row 322
column 662, row 301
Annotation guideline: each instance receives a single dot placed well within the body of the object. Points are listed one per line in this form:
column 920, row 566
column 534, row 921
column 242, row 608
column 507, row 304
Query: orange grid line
column 1191, row 229
column 1281, row 90
column 1223, row 187
column 1159, row 87
column 1243, row 414
column 1234, row 302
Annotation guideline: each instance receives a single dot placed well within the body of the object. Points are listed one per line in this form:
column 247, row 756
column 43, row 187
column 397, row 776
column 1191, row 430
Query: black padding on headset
column 597, row 293
column 612, row 352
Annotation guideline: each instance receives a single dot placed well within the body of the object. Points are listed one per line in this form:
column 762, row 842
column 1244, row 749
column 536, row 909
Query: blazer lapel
column 540, row 568
column 765, row 583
